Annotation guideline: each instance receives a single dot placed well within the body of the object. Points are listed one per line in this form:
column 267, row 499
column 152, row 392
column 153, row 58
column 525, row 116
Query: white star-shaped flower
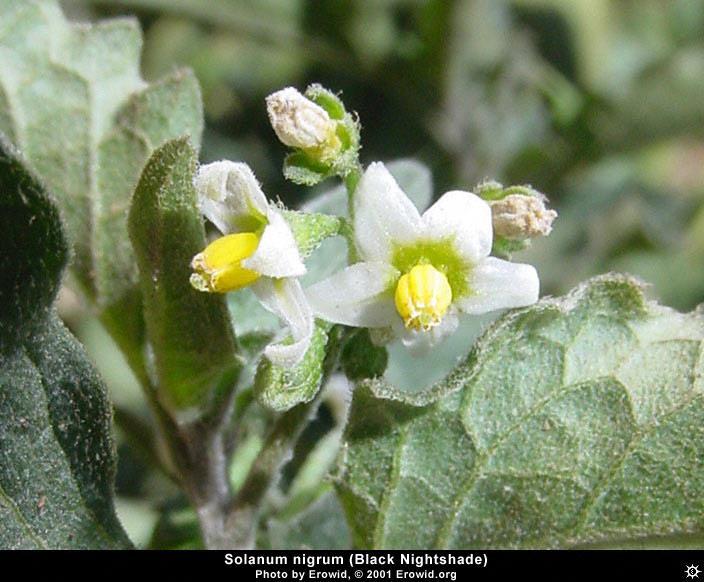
column 258, row 249
column 417, row 273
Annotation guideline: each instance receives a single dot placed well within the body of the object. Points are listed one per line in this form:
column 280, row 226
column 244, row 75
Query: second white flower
column 417, row 273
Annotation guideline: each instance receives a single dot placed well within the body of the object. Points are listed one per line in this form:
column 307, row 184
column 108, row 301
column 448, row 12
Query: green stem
column 351, row 182
column 196, row 453
column 243, row 514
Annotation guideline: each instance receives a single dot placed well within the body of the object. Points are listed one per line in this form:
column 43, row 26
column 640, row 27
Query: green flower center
column 442, row 255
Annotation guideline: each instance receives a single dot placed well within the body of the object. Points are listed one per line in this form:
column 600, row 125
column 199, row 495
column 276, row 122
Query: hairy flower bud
column 298, row 122
column 520, row 216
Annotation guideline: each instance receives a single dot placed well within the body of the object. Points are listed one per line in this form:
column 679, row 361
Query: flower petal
column 498, row 284
column 359, row 295
column 285, row 299
column 420, row 343
column 383, row 214
column 463, row 217
column 277, row 254
column 230, row 197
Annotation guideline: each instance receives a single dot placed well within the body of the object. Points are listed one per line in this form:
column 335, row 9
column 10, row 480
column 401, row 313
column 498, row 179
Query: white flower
column 417, row 273
column 258, row 249
column 299, row 122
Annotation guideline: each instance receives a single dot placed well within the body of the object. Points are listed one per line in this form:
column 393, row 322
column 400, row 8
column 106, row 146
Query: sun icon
column 692, row 571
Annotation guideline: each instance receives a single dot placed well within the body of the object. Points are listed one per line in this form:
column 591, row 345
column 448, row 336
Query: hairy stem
column 351, row 181
column 243, row 513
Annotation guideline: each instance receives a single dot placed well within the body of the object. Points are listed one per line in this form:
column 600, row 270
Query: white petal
column 360, row 295
column 230, row 196
column 463, row 217
column 383, row 214
column 277, row 254
column 498, row 284
column 420, row 343
column 298, row 121
column 285, row 299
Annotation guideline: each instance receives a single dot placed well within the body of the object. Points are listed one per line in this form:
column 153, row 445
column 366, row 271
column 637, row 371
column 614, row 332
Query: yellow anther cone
column 423, row 296
column 218, row 269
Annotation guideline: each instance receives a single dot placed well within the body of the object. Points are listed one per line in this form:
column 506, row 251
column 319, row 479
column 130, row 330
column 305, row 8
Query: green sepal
column 310, row 229
column 491, row 190
column 332, row 104
column 503, row 247
column 303, row 167
column 281, row 389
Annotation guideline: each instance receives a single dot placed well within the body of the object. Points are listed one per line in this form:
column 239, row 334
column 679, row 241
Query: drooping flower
column 417, row 273
column 258, row 250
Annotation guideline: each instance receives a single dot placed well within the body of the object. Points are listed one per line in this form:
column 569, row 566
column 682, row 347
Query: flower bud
column 298, row 122
column 521, row 216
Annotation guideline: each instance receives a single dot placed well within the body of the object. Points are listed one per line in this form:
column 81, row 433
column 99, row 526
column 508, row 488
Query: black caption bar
column 599, row 566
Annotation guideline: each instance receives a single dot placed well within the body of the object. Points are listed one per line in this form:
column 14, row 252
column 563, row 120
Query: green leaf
column 281, row 389
column 361, row 359
column 577, row 420
column 57, row 461
column 34, row 251
column 190, row 331
column 72, row 100
column 321, row 526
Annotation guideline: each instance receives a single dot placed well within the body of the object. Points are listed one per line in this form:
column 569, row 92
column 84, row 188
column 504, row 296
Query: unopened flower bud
column 521, row 216
column 300, row 123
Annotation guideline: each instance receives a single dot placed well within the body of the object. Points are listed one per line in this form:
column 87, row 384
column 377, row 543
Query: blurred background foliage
column 597, row 103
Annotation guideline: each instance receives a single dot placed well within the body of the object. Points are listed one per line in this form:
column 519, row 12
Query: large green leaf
column 190, row 331
column 320, row 526
column 577, row 420
column 57, row 460
column 72, row 100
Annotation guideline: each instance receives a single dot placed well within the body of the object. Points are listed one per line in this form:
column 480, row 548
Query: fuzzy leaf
column 281, row 389
column 361, row 359
column 57, row 461
column 72, row 100
column 577, row 420
column 34, row 251
column 320, row 526
column 190, row 331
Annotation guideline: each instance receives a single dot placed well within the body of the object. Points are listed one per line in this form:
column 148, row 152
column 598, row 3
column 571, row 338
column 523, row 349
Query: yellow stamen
column 422, row 297
column 219, row 269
